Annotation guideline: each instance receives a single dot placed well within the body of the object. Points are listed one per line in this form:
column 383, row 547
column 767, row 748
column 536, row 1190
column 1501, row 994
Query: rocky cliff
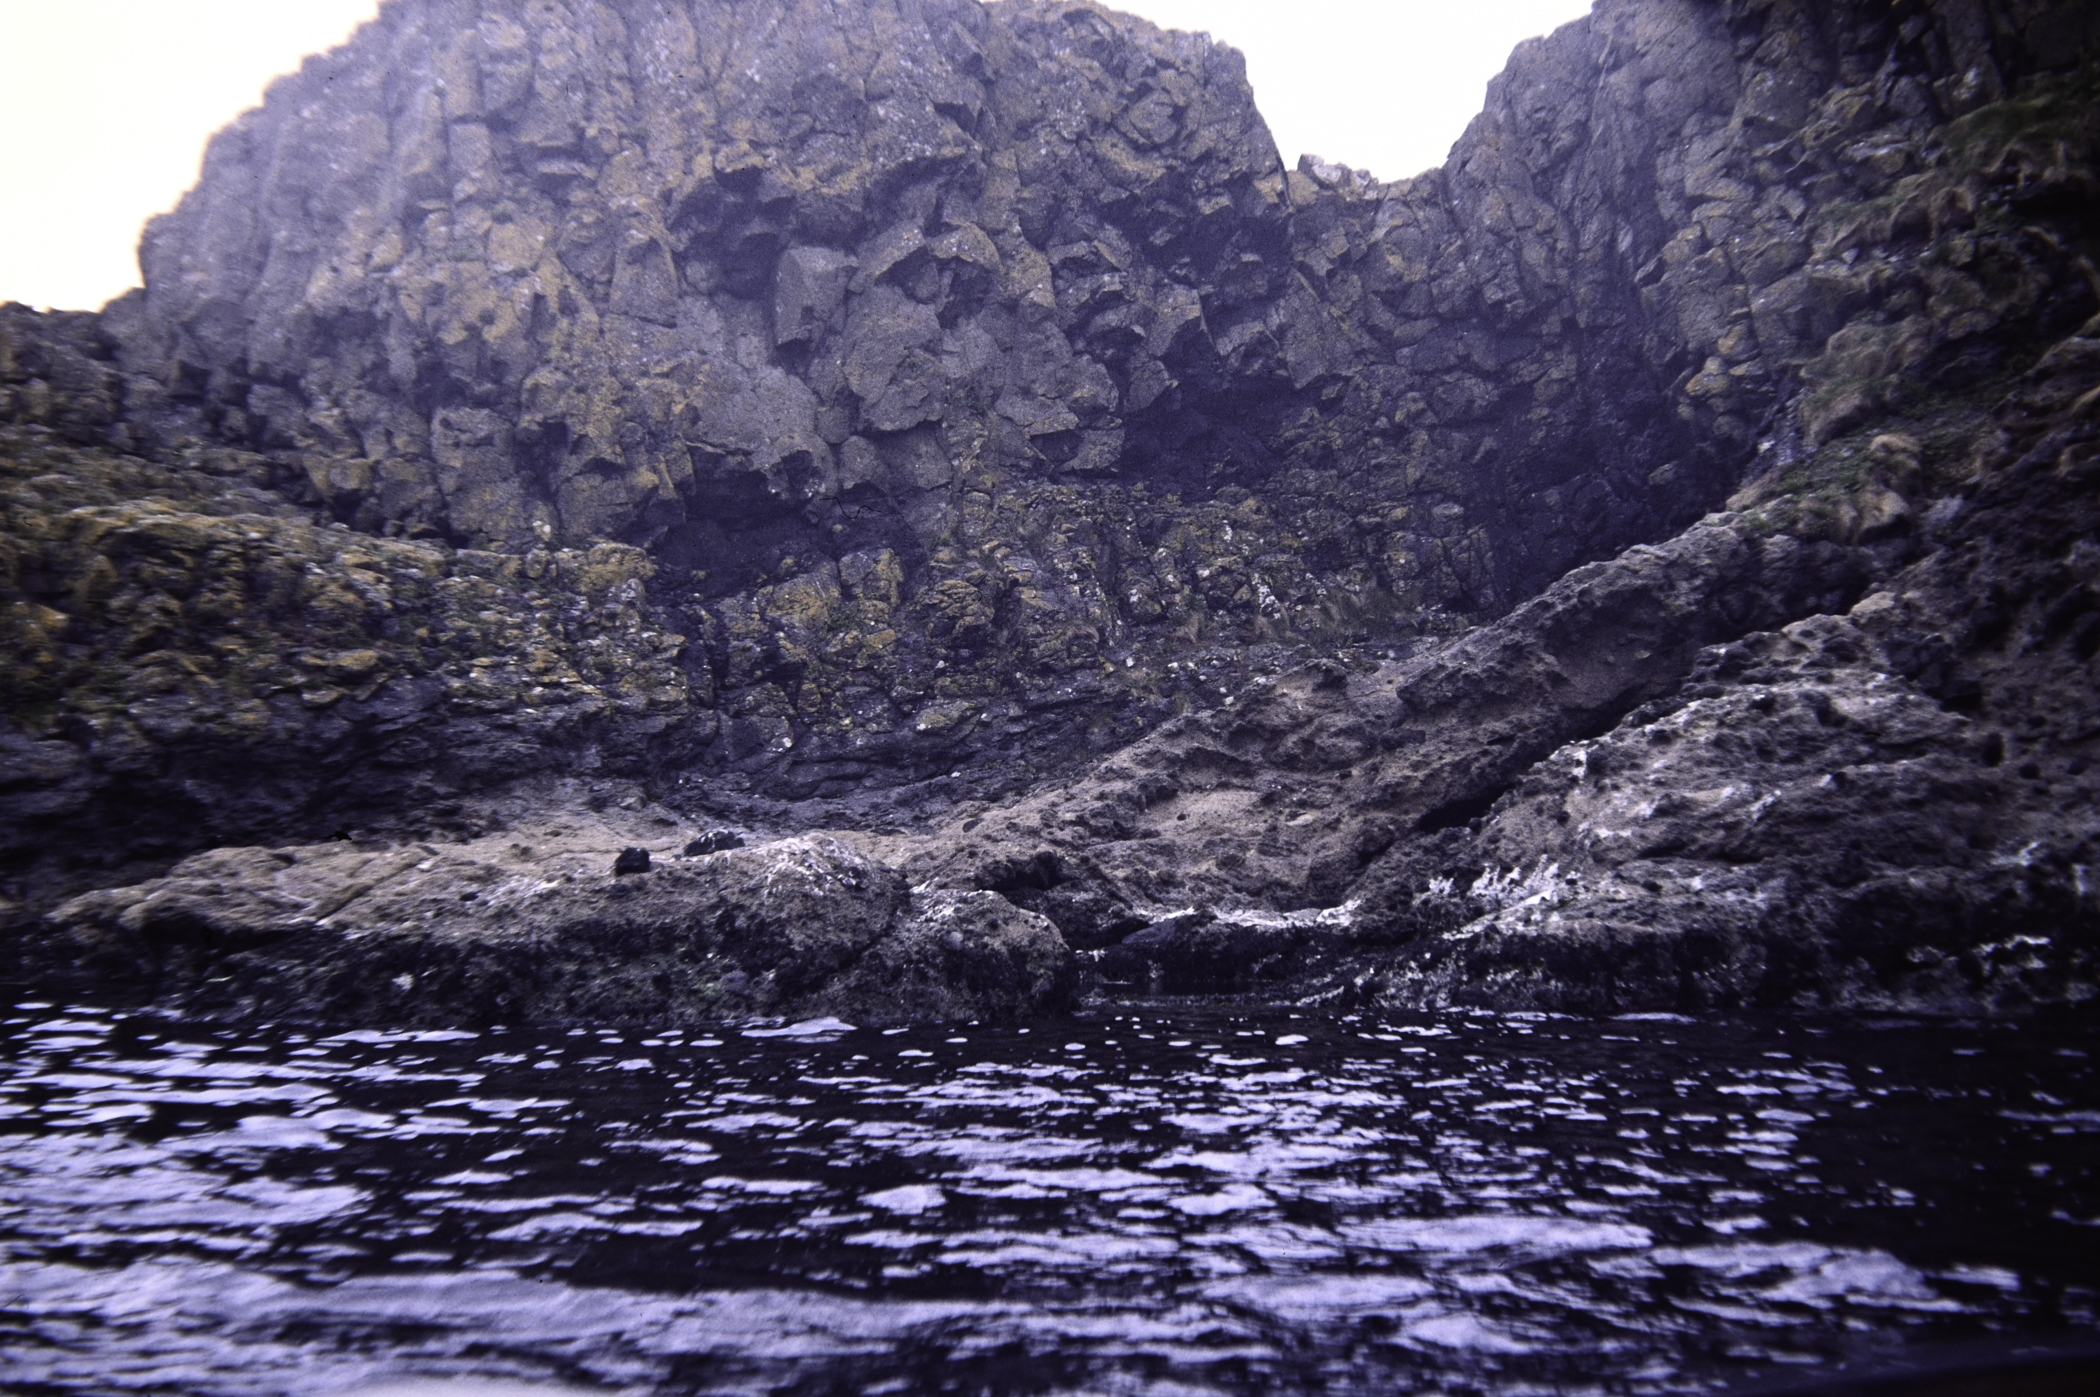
column 880, row 416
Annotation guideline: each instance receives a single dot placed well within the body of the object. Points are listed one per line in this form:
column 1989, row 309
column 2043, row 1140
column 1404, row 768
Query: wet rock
column 1891, row 808
column 1204, row 951
column 1708, row 773
column 828, row 346
column 502, row 930
column 958, row 426
column 1285, row 796
column 959, row 955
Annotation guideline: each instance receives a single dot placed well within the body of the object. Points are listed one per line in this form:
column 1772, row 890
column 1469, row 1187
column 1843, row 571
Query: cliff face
column 773, row 283
column 1646, row 789
column 789, row 400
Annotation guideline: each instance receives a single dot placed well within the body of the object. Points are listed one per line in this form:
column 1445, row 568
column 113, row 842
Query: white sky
column 106, row 104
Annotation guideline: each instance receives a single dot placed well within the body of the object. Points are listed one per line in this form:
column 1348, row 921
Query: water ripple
column 1182, row 1200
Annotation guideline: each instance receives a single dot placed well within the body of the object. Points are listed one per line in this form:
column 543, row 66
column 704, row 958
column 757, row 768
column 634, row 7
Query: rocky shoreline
column 533, row 926
column 1651, row 564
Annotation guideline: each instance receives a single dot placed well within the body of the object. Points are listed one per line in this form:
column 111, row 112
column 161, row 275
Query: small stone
column 631, row 861
column 714, row 842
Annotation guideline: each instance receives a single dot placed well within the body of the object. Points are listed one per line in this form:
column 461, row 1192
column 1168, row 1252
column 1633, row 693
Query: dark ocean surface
column 1165, row 1199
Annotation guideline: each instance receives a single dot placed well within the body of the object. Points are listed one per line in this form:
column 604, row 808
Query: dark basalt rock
column 964, row 390
column 960, row 427
column 631, row 861
column 1589, row 807
column 500, row 930
column 714, row 842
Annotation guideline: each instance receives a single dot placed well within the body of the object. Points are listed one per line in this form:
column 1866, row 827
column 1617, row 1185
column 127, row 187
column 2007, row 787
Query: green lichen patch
column 125, row 585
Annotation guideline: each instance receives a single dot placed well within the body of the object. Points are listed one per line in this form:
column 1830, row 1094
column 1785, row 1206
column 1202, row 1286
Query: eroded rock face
column 559, row 276
column 1890, row 804
column 957, row 366
column 873, row 415
column 1283, row 796
column 198, row 661
column 686, row 273
column 1892, row 808
column 503, row 930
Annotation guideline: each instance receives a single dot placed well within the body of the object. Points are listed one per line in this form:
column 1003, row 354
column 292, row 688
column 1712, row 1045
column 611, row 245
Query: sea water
column 1161, row 1198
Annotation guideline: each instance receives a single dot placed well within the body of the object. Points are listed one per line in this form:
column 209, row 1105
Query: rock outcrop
column 1891, row 808
column 502, row 930
column 1590, row 805
column 1286, row 793
column 193, row 660
column 951, row 424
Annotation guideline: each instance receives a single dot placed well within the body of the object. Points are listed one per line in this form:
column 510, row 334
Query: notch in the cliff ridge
column 124, row 97
column 1383, row 87
column 1387, row 87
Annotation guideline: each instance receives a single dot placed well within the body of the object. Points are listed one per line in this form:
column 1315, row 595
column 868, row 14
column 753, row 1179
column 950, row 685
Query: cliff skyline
column 129, row 95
